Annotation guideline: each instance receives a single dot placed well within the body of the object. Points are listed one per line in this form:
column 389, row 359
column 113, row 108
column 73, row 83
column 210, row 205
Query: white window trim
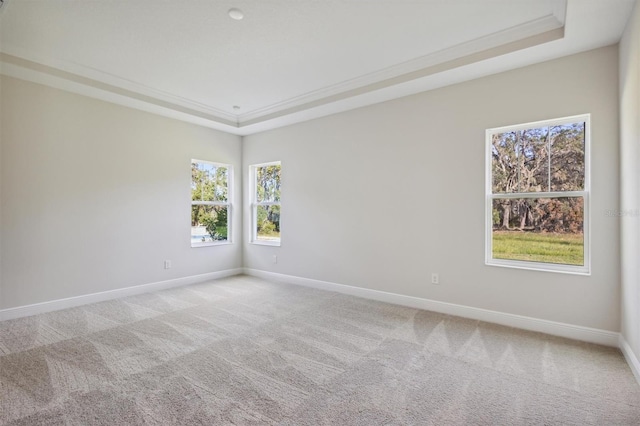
column 586, row 193
column 254, row 206
column 227, row 203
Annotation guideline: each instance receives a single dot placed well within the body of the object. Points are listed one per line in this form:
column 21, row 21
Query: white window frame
column 584, row 269
column 255, row 204
column 227, row 204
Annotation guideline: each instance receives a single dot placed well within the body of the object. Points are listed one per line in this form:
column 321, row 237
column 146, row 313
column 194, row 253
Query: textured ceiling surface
column 286, row 58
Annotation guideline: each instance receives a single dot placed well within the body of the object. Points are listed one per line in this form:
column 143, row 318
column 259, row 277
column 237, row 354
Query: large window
column 210, row 203
column 265, row 203
column 538, row 195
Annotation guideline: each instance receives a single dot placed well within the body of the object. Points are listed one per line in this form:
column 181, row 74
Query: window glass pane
column 542, row 159
column 549, row 230
column 268, row 223
column 567, row 157
column 209, row 182
column 520, row 161
column 268, row 183
column 533, row 149
column 504, row 163
column 208, row 223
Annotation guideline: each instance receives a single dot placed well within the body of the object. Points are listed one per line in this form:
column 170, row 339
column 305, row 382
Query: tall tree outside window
column 537, row 195
column 266, row 203
column 210, row 206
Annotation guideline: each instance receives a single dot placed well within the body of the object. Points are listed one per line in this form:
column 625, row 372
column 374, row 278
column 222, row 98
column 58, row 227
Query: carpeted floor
column 246, row 351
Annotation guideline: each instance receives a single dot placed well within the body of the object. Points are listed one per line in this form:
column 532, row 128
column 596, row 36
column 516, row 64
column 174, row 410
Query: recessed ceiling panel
column 283, row 54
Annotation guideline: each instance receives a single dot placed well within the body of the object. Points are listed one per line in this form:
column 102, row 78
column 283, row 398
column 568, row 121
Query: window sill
column 266, row 243
column 210, row 243
column 538, row 266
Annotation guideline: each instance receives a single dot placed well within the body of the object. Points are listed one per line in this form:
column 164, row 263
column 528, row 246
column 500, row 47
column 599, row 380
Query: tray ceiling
column 286, row 61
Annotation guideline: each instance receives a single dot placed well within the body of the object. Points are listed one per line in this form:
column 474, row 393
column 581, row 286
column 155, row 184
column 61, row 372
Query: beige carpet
column 245, row 351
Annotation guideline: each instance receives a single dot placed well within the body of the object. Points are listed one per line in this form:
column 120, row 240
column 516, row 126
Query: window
column 538, row 195
column 210, row 205
column 265, row 205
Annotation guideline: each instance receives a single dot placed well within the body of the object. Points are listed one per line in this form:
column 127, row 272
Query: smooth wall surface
column 96, row 196
column 1, row 133
column 630, row 179
column 383, row 196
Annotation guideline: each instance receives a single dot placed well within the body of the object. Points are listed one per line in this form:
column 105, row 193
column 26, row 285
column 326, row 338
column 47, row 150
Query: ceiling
column 287, row 60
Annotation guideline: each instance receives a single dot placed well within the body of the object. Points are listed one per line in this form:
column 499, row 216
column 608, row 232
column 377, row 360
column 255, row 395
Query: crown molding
column 343, row 96
column 529, row 34
column 102, row 80
column 180, row 109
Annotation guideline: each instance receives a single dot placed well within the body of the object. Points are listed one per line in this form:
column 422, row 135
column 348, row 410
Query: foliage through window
column 266, row 203
column 210, row 205
column 537, row 195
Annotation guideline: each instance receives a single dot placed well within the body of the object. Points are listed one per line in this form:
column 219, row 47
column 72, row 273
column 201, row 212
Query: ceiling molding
column 37, row 73
column 93, row 83
column 528, row 34
column 102, row 80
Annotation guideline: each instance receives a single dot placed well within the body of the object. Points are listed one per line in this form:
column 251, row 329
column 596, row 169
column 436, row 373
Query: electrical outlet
column 435, row 279
column 167, row 264
column 275, row 258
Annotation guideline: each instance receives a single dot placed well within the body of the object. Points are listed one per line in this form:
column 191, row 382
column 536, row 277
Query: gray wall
column 95, row 196
column 380, row 197
column 1, row 185
column 630, row 179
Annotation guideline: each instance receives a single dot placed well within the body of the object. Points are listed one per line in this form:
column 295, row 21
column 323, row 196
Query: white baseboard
column 570, row 331
column 631, row 357
column 55, row 305
column 586, row 334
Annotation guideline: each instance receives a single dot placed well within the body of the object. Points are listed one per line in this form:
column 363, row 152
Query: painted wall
column 630, row 179
column 1, row 133
column 380, row 197
column 96, row 196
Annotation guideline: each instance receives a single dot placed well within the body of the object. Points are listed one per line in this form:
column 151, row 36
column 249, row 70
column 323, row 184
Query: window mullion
column 549, row 158
column 210, row 203
column 554, row 194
